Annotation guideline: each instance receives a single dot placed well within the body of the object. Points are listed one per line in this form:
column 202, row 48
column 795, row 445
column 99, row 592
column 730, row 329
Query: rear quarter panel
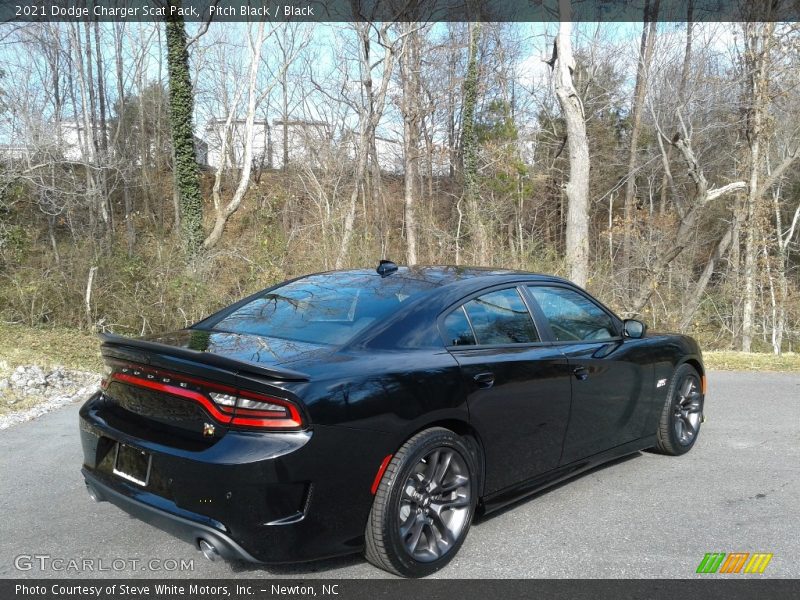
column 390, row 391
column 368, row 405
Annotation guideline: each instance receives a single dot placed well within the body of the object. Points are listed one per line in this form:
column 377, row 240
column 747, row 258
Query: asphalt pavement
column 738, row 490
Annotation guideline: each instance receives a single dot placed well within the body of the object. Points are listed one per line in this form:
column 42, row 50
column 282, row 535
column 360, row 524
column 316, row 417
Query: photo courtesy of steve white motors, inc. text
column 162, row 590
column 40, row 10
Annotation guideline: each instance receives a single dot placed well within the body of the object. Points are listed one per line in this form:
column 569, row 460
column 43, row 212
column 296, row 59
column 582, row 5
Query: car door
column 608, row 375
column 518, row 387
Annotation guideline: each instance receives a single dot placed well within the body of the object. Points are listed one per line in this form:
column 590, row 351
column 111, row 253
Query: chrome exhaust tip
column 208, row 550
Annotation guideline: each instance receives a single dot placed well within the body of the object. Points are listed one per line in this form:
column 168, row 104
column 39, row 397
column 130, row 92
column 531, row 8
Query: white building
column 11, row 153
column 390, row 155
column 526, row 144
column 305, row 140
column 391, row 152
column 45, row 142
column 234, row 145
column 74, row 139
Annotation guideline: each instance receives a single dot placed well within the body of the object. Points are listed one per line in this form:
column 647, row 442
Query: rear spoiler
column 130, row 345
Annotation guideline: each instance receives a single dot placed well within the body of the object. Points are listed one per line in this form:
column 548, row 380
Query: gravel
column 38, row 391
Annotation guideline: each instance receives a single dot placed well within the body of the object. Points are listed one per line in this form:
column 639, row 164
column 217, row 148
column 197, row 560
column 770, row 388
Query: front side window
column 499, row 317
column 572, row 316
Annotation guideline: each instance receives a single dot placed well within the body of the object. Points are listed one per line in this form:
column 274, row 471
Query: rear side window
column 324, row 309
column 572, row 316
column 457, row 330
column 500, row 317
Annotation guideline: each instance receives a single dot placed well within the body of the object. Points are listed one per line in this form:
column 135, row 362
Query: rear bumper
column 259, row 497
column 187, row 529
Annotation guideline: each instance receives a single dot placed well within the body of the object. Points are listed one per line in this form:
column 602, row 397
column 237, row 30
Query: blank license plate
column 132, row 464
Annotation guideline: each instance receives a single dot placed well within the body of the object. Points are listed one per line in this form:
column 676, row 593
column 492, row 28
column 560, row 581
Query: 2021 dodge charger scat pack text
column 378, row 410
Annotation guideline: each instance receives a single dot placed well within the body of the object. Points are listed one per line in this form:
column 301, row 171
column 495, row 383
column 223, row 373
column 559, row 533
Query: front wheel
column 423, row 506
column 682, row 415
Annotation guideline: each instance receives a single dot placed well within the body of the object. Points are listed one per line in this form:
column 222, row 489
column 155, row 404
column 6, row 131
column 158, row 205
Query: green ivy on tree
column 181, row 105
column 469, row 134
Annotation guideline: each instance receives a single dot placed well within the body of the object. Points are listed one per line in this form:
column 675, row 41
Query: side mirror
column 633, row 328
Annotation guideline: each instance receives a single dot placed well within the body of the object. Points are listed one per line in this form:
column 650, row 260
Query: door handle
column 484, row 380
column 581, row 373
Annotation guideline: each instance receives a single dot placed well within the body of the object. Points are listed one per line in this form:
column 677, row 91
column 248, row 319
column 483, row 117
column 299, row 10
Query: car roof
column 413, row 324
column 442, row 275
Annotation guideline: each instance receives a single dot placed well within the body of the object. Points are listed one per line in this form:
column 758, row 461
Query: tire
column 679, row 425
column 407, row 506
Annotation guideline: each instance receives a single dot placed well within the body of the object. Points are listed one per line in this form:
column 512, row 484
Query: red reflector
column 379, row 474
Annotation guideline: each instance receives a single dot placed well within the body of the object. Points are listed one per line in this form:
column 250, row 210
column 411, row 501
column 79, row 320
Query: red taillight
column 239, row 408
column 258, row 410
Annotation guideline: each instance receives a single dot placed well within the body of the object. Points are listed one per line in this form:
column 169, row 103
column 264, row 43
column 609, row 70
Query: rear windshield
column 324, row 309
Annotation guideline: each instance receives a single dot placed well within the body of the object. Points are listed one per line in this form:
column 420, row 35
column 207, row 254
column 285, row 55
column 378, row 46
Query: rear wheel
column 680, row 420
column 423, row 506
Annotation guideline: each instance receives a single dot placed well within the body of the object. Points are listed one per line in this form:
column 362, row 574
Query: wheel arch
column 464, row 429
column 698, row 366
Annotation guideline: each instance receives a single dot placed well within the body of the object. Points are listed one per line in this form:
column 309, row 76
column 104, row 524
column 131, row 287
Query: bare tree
column 577, row 188
column 469, row 148
column 410, row 65
column 224, row 213
column 640, row 89
column 758, row 44
column 370, row 110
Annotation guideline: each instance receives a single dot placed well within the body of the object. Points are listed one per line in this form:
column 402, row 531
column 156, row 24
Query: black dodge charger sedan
column 378, row 411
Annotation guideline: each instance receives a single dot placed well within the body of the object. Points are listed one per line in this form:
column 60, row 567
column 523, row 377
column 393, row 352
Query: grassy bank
column 20, row 345
column 80, row 350
column 724, row 360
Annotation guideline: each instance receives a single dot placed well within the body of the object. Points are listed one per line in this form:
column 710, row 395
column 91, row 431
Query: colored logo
column 735, row 562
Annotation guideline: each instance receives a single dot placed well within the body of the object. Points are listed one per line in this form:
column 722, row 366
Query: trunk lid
column 192, row 386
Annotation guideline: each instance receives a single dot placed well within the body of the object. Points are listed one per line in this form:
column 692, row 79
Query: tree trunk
column 409, row 74
column 666, row 181
column 122, row 145
column 452, row 93
column 758, row 39
column 225, row 213
column 371, row 110
column 700, row 287
column 469, row 145
column 577, row 188
column 783, row 241
column 285, row 118
column 181, row 108
column 640, row 89
column 85, row 139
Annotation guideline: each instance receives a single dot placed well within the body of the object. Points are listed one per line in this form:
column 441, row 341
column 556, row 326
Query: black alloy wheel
column 424, row 504
column 687, row 413
column 435, row 504
column 682, row 415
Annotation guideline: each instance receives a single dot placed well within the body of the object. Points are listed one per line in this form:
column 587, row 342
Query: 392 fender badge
column 661, row 383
